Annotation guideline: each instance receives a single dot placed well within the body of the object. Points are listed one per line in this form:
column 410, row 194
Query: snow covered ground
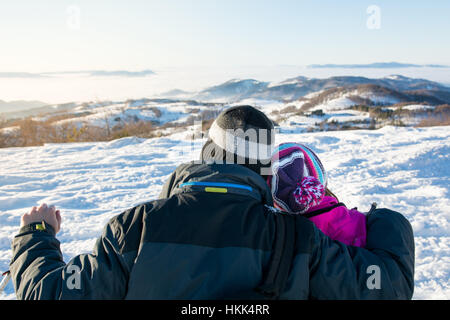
column 405, row 169
column 348, row 116
column 113, row 113
column 334, row 104
column 414, row 107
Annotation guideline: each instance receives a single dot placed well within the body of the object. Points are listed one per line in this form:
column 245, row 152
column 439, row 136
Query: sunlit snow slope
column 404, row 169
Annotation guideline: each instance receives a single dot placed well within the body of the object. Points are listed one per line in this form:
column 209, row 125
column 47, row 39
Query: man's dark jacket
column 214, row 235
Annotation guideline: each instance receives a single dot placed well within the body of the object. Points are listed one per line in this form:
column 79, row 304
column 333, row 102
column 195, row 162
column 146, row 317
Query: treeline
column 438, row 115
column 29, row 132
column 379, row 116
column 59, row 129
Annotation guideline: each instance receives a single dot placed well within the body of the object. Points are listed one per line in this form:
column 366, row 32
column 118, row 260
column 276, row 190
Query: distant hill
column 295, row 88
column 20, row 75
column 377, row 65
column 19, row 105
column 120, row 73
column 233, row 90
column 369, row 95
column 176, row 93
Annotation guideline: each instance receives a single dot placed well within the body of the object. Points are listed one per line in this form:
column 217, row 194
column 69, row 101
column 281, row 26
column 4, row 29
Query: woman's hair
column 331, row 194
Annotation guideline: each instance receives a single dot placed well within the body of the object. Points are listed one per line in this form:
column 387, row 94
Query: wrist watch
column 38, row 227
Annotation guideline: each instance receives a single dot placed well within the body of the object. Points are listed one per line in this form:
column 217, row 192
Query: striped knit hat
column 298, row 178
column 241, row 135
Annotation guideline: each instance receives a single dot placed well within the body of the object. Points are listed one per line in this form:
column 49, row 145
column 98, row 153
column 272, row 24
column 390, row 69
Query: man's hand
column 44, row 213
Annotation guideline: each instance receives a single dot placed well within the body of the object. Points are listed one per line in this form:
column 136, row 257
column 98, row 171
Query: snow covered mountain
column 335, row 103
column 298, row 87
column 232, row 91
column 369, row 95
column 377, row 65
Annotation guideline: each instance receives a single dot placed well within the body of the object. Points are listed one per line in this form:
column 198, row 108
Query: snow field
column 404, row 169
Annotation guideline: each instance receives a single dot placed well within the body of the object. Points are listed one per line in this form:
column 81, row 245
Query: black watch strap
column 38, row 227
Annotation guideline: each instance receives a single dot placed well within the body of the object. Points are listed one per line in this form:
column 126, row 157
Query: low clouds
column 89, row 73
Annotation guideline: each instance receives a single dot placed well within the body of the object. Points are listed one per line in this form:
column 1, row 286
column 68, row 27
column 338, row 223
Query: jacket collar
column 213, row 177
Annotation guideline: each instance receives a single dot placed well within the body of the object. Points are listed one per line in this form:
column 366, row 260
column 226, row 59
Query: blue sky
column 38, row 36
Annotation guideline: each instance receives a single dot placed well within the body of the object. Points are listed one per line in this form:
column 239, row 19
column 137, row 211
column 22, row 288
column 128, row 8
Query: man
column 214, row 234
